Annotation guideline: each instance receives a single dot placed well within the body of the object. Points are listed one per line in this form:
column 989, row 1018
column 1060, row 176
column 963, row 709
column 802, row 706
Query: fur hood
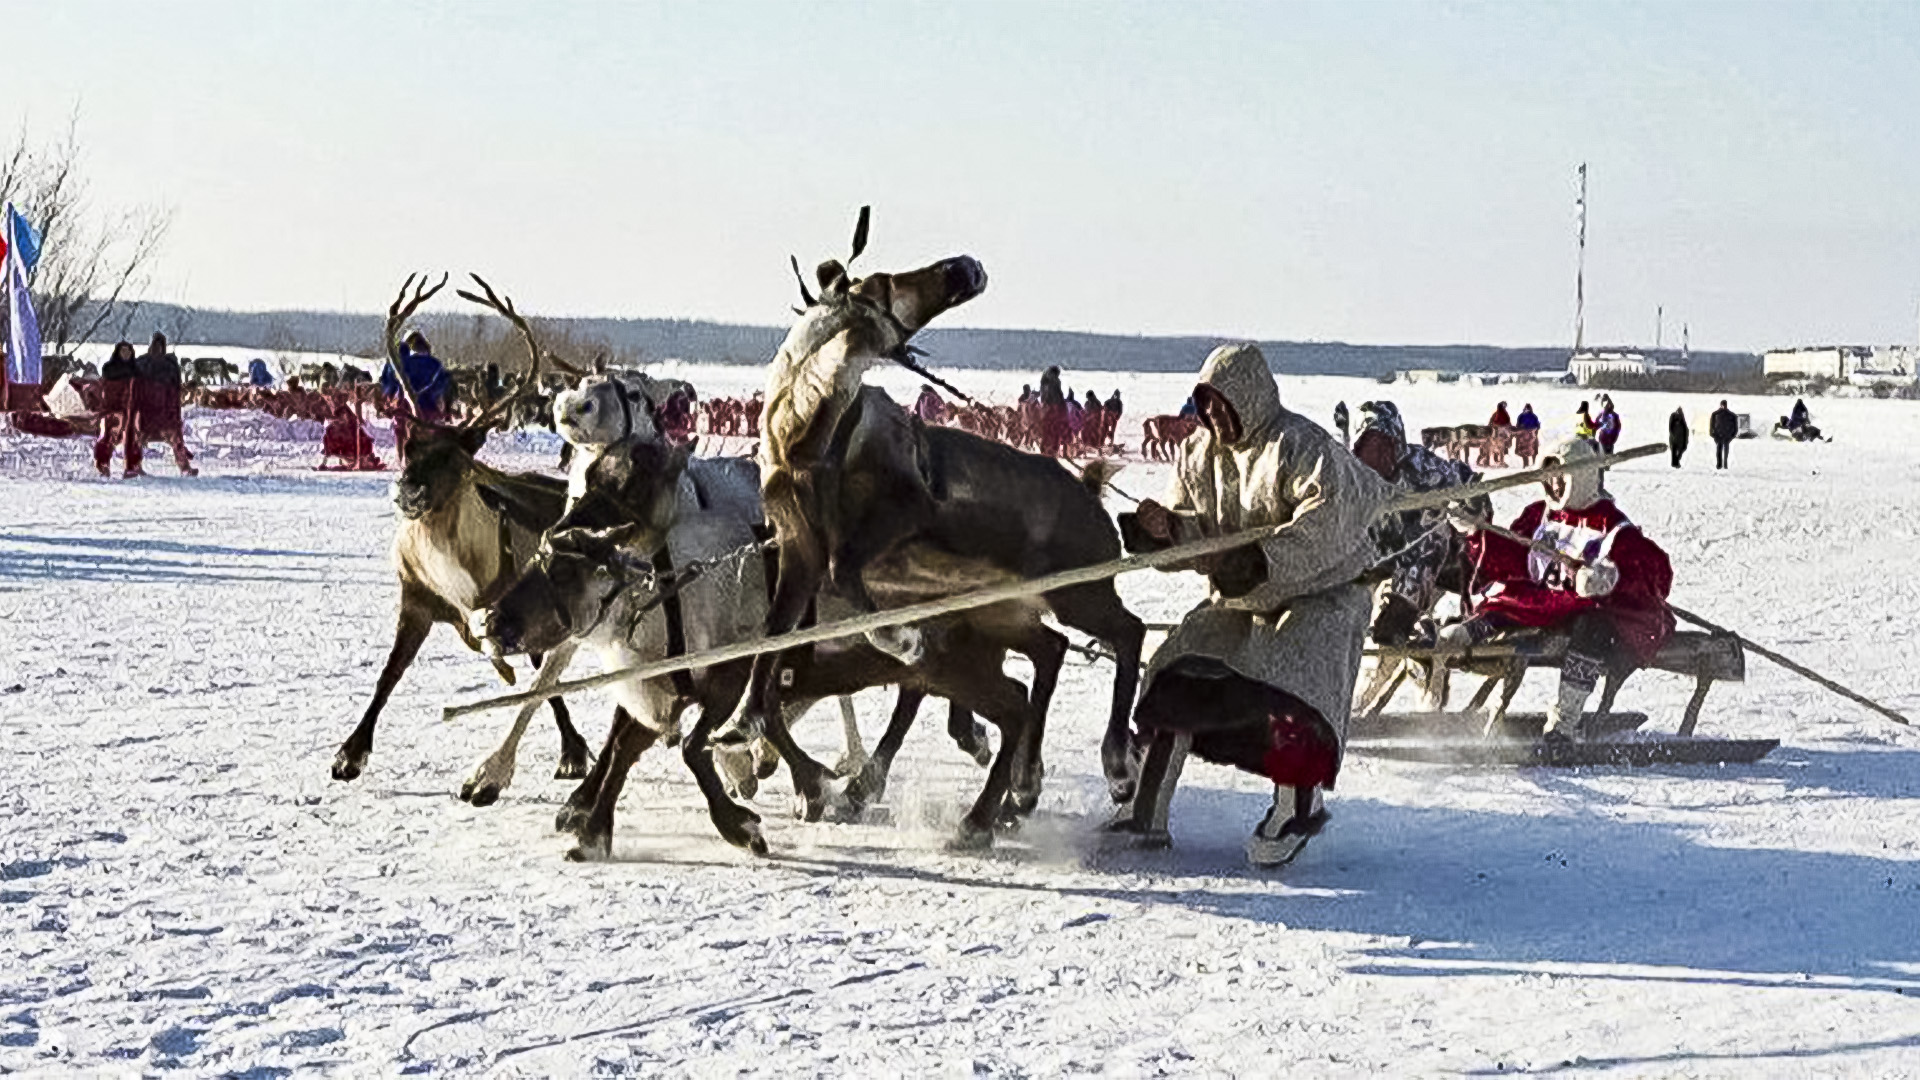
column 1584, row 488
column 1240, row 374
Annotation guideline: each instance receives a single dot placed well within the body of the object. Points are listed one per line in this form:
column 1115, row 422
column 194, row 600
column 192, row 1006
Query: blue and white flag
column 23, row 336
column 22, row 238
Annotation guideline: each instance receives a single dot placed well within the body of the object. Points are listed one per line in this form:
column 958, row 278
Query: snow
column 182, row 886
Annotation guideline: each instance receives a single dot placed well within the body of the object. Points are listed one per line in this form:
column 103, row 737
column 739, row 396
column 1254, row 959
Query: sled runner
column 1512, row 738
column 1629, row 749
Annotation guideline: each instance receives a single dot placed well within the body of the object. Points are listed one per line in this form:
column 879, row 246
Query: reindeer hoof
column 867, row 786
column 591, row 849
column 971, row 837
column 348, row 766
column 573, row 768
column 741, row 828
column 485, row 794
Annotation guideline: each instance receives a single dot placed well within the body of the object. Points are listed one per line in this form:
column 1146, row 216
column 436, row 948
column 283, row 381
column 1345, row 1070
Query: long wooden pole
column 1791, row 665
column 1017, row 590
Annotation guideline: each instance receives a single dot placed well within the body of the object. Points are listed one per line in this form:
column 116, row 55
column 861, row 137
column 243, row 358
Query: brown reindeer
column 1160, row 436
column 868, row 502
column 465, row 532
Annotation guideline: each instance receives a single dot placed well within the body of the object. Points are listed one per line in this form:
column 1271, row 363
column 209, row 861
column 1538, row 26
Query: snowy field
column 184, row 889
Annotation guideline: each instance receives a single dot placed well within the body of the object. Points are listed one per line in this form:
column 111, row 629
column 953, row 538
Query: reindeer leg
column 494, row 773
column 969, row 735
column 575, row 758
column 416, row 620
column 1097, row 611
column 1003, row 701
column 854, row 758
column 1048, row 651
column 737, row 825
column 869, row 785
column 574, row 813
column 625, row 744
column 796, row 585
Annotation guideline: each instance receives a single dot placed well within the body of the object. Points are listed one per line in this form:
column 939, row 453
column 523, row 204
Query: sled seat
column 1506, row 658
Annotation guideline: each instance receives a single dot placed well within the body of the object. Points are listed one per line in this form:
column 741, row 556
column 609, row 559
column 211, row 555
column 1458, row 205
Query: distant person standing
column 1053, row 413
column 1722, row 427
column 929, row 408
column 1677, row 436
column 1526, row 435
column 116, row 423
column 1583, row 422
column 1607, row 429
column 1500, row 419
column 1113, row 409
column 1341, row 421
column 155, row 407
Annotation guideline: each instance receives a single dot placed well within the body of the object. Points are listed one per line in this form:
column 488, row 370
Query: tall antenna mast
column 1580, row 270
column 1659, row 324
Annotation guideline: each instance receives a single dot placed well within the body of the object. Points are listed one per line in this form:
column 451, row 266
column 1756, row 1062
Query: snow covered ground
column 182, row 887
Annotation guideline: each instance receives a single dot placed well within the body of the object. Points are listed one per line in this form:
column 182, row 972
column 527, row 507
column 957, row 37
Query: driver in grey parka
column 1261, row 674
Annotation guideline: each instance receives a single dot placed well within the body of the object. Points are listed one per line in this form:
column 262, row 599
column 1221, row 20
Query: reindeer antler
column 401, row 310
column 505, row 309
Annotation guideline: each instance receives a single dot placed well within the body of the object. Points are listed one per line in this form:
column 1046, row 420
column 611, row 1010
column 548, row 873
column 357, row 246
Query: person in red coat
column 1500, row 418
column 1614, row 609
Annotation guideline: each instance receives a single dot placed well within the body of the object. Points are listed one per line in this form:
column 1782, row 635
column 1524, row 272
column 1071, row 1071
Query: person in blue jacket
column 257, row 373
column 424, row 372
column 427, row 376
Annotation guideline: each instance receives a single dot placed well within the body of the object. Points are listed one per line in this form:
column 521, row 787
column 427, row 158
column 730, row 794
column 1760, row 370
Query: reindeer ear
column 564, row 540
column 860, row 233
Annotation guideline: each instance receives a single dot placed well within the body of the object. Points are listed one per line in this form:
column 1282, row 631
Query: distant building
column 1583, row 366
column 1844, row 363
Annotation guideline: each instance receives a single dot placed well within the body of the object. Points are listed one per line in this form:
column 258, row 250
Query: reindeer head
column 439, row 457
column 567, row 591
column 598, row 550
column 880, row 312
column 605, row 409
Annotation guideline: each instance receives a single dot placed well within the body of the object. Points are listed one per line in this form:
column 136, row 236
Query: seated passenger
column 1613, row 610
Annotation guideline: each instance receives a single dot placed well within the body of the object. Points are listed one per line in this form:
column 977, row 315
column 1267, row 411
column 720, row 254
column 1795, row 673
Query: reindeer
column 1162, row 435
column 866, row 500
column 464, row 534
column 596, row 583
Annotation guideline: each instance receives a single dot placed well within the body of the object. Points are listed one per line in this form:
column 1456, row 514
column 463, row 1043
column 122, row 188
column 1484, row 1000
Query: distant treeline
column 642, row 340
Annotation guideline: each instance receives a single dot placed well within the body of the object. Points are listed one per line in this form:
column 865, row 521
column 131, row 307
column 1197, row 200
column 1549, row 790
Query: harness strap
column 676, row 623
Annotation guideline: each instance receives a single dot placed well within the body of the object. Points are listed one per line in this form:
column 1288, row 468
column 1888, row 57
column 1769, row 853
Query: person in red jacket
column 1613, row 609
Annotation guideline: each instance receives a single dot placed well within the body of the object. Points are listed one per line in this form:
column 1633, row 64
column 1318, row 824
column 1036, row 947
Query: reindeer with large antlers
column 465, row 533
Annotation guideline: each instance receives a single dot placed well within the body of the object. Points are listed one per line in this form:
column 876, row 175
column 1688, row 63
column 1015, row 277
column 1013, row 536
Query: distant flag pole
column 1580, row 269
column 22, row 250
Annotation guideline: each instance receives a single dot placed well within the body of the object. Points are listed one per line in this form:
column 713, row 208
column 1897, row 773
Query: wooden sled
column 1612, row 738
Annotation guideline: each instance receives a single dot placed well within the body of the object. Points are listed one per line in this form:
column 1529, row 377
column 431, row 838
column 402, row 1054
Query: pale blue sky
column 1371, row 172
